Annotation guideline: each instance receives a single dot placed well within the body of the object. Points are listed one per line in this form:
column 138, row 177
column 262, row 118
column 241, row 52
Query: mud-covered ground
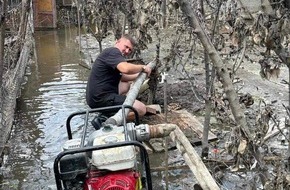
column 257, row 93
column 185, row 93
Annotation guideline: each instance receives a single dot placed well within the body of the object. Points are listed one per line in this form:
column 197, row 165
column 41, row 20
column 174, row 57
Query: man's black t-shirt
column 104, row 77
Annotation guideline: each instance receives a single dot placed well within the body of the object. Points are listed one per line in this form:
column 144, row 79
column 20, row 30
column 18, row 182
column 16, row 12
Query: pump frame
column 143, row 153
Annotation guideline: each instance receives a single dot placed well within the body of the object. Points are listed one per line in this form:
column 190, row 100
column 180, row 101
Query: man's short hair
column 130, row 38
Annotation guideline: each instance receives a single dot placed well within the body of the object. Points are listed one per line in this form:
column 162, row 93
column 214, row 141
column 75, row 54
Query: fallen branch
column 193, row 160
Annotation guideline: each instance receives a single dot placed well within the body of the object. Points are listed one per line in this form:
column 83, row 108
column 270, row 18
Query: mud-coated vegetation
column 16, row 48
column 219, row 36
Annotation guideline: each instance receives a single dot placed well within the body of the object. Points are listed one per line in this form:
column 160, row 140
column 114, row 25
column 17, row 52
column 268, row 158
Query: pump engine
column 111, row 158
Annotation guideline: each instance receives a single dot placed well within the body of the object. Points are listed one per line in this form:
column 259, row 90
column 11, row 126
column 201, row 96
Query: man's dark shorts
column 108, row 100
column 111, row 100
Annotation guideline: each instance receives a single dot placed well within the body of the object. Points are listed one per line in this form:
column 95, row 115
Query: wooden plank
column 150, row 111
column 187, row 122
column 153, row 109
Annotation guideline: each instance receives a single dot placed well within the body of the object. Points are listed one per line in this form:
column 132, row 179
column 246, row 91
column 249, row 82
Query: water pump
column 110, row 158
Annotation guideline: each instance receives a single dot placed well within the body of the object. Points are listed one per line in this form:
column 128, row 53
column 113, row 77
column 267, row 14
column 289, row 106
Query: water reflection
column 55, row 89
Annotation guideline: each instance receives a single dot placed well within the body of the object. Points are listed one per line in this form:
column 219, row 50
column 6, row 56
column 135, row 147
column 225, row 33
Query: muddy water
column 54, row 89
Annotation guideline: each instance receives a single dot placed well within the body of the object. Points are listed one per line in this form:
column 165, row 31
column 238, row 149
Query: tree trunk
column 210, row 78
column 130, row 16
column 227, row 85
column 218, row 64
column 163, row 13
column 207, row 117
column 2, row 39
column 154, row 76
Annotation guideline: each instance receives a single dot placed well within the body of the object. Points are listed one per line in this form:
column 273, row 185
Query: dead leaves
column 262, row 123
column 270, row 68
column 242, row 146
column 239, row 33
column 246, row 99
column 174, row 106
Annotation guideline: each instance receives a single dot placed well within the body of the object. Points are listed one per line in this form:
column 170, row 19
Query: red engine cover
column 121, row 180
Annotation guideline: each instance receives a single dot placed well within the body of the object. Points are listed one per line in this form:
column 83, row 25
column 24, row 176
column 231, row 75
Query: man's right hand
column 146, row 69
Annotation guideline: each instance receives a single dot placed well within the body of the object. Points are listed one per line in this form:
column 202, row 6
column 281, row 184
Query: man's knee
column 140, row 108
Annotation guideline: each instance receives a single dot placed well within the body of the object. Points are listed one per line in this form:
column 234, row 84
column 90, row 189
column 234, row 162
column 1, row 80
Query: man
column 111, row 76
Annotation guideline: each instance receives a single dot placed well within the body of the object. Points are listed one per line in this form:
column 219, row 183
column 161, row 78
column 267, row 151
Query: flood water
column 55, row 89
